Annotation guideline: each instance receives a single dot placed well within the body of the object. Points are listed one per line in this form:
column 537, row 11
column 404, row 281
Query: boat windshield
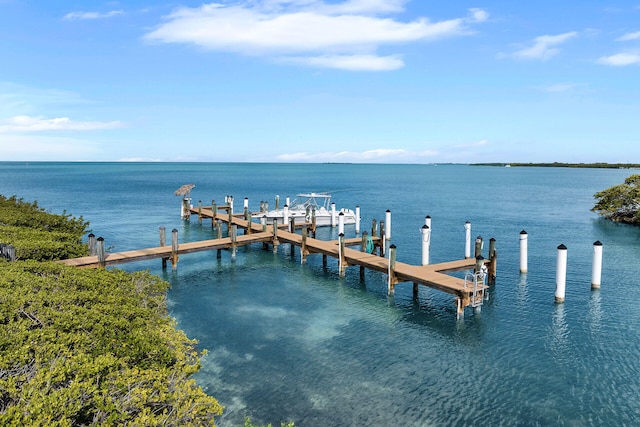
column 312, row 200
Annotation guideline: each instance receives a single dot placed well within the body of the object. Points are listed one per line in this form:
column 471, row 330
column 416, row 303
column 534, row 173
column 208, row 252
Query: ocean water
column 297, row 342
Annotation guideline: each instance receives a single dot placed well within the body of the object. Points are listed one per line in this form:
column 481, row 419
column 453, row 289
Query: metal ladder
column 476, row 281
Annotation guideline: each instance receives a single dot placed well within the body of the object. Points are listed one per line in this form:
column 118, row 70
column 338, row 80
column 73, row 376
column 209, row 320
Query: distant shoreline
column 565, row 165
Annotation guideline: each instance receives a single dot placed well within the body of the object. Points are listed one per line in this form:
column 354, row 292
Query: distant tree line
column 566, row 165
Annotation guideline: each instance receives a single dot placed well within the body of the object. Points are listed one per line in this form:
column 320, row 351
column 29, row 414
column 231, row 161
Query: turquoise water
column 297, row 342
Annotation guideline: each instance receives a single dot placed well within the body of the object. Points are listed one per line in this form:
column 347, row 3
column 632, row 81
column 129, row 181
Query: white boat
column 302, row 209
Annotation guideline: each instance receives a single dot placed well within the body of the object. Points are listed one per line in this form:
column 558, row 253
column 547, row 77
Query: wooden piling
column 392, row 279
column 478, row 247
column 91, row 242
column 342, row 262
column 303, row 245
column 163, row 242
column 274, row 241
column 174, row 249
column 100, row 252
column 200, row 211
column 493, row 262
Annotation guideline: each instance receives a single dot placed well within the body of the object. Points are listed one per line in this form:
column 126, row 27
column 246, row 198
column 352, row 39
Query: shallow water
column 297, row 342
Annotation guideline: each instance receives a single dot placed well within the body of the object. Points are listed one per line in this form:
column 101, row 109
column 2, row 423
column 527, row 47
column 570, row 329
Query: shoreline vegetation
column 565, row 165
column 84, row 346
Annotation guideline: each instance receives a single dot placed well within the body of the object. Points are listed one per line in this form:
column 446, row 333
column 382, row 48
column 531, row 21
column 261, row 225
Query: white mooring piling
column 524, row 240
column 357, row 219
column 387, row 225
column 596, row 271
column 427, row 221
column 246, row 203
column 561, row 273
column 285, row 214
column 334, row 217
column 426, row 237
column 341, row 223
column 467, row 242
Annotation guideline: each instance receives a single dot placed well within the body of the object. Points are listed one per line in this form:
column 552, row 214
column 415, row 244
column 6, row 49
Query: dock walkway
column 434, row 276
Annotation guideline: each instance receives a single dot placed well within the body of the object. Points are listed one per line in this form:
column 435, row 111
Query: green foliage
column 80, row 347
column 39, row 235
column 620, row 203
column 94, row 347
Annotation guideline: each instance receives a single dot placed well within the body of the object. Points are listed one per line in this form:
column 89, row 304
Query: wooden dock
column 470, row 291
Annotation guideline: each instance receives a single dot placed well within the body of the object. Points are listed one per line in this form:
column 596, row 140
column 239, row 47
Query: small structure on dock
column 185, row 206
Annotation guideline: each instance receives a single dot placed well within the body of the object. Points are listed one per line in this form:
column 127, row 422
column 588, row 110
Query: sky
column 353, row 81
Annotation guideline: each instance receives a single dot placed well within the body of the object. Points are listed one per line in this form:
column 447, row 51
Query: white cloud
column 350, row 62
column 543, row 47
column 342, row 35
column 91, row 15
column 620, row 59
column 629, row 36
column 21, row 124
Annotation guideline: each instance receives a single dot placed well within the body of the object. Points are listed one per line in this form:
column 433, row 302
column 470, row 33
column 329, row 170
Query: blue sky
column 373, row 81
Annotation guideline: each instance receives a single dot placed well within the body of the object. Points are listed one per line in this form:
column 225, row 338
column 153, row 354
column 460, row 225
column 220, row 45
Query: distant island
column 566, row 165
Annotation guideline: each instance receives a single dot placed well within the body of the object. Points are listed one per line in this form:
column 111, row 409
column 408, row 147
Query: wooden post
column 596, row 270
column 341, row 259
column 174, row 249
column 249, row 223
column 100, row 252
column 11, row 252
column 277, row 201
column 383, row 234
column 303, row 247
column 186, row 208
column 91, row 242
column 467, row 245
column 218, row 236
column 163, row 242
column 479, row 264
column 230, row 220
column 214, row 213
column 234, row 240
column 392, row 270
column 561, row 273
column 478, row 247
column 292, row 225
column 374, row 228
column 200, row 211
column 493, row 264
column 246, row 207
column 275, row 242
column 363, row 248
column 524, row 237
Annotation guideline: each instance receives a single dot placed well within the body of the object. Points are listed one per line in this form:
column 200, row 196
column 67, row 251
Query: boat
column 302, row 209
